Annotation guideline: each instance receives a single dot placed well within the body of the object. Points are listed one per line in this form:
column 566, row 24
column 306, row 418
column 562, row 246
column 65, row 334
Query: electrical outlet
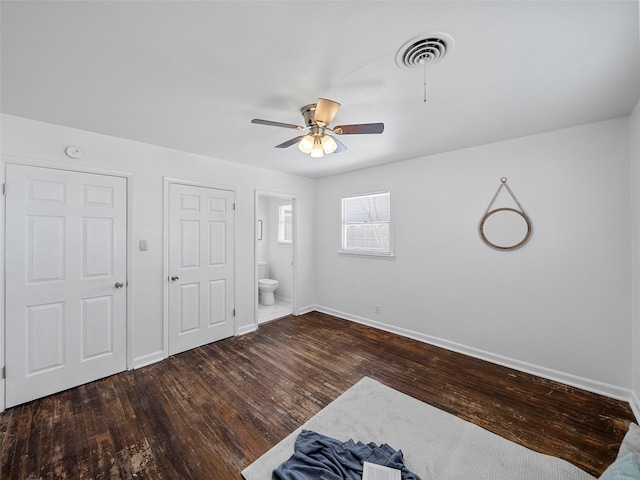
column 143, row 246
column 376, row 309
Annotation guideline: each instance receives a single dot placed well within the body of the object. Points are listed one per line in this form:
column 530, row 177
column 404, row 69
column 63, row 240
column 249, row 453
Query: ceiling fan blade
column 276, row 124
column 359, row 128
column 341, row 146
column 325, row 111
column 288, row 143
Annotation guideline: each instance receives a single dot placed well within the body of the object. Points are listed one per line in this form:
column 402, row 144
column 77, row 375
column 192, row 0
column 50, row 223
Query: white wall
column 559, row 307
column 27, row 141
column 280, row 256
column 263, row 215
column 634, row 154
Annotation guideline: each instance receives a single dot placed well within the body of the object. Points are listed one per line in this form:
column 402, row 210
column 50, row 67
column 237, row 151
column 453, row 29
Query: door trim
column 167, row 182
column 294, row 248
column 33, row 162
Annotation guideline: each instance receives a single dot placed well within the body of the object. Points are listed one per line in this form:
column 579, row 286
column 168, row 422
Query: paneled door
column 65, row 280
column 201, row 266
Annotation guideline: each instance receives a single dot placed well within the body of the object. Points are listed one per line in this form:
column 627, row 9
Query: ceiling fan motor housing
column 317, row 117
column 308, row 112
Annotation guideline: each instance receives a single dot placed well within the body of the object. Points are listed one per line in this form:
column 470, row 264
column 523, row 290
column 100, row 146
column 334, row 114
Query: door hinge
column 234, row 206
column 4, row 188
column 4, row 372
column 234, row 312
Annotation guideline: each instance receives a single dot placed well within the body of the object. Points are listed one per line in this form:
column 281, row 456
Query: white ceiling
column 191, row 75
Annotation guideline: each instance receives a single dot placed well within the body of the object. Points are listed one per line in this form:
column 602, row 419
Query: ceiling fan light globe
column 317, row 151
column 306, row 144
column 329, row 145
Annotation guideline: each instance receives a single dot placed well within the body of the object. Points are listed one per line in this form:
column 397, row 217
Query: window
column 285, row 224
column 366, row 224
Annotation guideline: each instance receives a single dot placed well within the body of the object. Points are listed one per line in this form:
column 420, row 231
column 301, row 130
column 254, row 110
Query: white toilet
column 266, row 286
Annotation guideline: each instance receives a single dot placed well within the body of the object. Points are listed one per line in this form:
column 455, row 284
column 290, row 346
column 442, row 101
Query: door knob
column 174, row 278
column 119, row 285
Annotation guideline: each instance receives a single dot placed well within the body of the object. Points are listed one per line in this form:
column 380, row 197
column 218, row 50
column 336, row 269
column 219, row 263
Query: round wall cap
column 73, row 152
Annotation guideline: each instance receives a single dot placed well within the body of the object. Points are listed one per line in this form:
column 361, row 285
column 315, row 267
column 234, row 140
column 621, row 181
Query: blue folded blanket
column 318, row 457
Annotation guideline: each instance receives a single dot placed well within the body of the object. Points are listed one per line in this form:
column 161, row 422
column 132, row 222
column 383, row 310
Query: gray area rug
column 436, row 444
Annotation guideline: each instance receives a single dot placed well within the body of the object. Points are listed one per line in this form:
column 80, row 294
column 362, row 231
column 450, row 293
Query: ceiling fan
column 317, row 117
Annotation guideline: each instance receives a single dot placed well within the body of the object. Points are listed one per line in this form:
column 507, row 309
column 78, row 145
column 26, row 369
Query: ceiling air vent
column 424, row 50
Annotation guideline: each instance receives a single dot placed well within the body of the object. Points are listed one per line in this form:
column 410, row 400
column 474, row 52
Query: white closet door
column 66, row 280
column 201, row 266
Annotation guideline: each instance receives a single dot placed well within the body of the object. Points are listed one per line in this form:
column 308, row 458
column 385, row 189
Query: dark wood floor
column 210, row 412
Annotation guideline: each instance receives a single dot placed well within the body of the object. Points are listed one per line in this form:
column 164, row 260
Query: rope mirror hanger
column 500, row 212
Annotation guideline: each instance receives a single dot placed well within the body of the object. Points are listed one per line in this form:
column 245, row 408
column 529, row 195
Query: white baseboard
column 594, row 386
column 148, row 359
column 247, row 329
column 635, row 405
column 307, row 309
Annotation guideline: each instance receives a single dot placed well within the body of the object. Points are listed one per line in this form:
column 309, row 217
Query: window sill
column 382, row 256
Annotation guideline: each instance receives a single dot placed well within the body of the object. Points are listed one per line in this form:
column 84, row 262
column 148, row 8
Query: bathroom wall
column 634, row 154
column 27, row 141
column 263, row 215
column 559, row 307
column 280, row 255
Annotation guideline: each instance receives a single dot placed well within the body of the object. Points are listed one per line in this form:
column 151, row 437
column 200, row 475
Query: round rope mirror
column 502, row 230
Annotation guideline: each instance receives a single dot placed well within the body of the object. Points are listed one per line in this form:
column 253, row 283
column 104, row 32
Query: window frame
column 281, row 223
column 386, row 254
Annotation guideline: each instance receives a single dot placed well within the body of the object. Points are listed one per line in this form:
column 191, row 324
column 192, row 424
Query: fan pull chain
column 424, row 69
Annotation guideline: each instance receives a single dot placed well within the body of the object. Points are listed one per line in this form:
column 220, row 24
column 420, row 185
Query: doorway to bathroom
column 275, row 252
